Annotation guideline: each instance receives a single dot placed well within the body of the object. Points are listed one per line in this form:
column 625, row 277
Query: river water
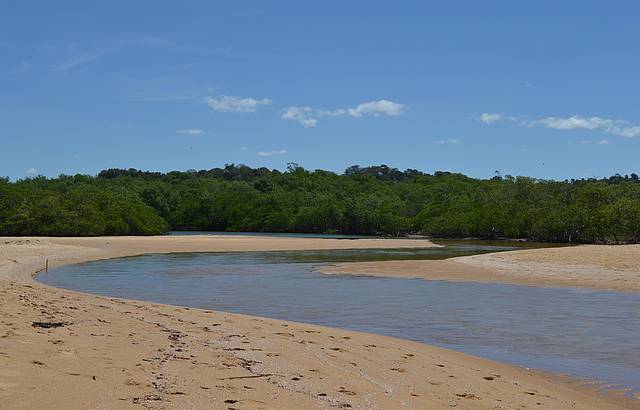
column 583, row 333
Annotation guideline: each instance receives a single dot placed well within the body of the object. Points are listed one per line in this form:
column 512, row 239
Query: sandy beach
column 112, row 353
column 587, row 266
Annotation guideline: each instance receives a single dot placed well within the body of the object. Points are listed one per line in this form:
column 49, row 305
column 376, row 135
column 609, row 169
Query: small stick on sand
column 253, row 376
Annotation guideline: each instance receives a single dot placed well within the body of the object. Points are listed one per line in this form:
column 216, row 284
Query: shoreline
column 121, row 353
column 596, row 267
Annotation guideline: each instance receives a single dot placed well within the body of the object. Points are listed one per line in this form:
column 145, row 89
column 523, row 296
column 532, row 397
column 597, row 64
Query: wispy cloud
column 608, row 125
column 31, row 172
column 303, row 115
column 489, row 118
column 167, row 98
column 377, row 108
column 272, row 153
column 226, row 103
column 23, row 67
column 577, row 122
column 519, row 120
column 598, row 142
column 447, row 141
column 172, row 45
column 156, row 90
column 190, row 131
column 628, row 132
column 81, row 59
column 308, row 116
column 78, row 60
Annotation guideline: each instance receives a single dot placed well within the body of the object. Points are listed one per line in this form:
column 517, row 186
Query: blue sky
column 547, row 89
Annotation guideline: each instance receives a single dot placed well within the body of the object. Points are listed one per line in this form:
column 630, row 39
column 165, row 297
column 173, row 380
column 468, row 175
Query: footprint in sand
column 343, row 390
column 467, row 396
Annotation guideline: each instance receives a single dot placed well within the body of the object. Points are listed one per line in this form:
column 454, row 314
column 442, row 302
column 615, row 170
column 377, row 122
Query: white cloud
column 226, row 103
column 610, row 126
column 628, row 132
column 489, row 118
column 519, row 120
column 308, row 116
column 32, row 172
column 272, row 153
column 338, row 112
column 243, row 148
column 190, row 131
column 376, row 108
column 303, row 115
column 447, row 141
column 577, row 122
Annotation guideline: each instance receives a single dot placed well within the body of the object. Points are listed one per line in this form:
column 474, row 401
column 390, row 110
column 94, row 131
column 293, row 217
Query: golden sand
column 113, row 353
column 587, row 266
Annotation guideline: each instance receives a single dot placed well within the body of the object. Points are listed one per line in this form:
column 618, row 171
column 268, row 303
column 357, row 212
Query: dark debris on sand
column 47, row 325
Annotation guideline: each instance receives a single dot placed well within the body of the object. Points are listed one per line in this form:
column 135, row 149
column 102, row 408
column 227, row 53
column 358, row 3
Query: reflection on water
column 585, row 333
column 366, row 255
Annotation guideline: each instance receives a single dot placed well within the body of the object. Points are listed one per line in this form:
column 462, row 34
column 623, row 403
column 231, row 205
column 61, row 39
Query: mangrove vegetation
column 377, row 200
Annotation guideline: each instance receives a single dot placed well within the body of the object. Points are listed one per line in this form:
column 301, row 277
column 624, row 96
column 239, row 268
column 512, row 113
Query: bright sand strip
column 113, row 353
column 587, row 266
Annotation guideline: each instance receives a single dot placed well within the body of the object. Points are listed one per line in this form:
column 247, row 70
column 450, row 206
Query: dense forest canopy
column 376, row 200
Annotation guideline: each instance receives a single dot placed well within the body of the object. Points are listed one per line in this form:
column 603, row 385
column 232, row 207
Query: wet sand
column 112, row 353
column 587, row 266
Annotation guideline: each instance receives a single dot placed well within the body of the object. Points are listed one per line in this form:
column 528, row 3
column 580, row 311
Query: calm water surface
column 584, row 333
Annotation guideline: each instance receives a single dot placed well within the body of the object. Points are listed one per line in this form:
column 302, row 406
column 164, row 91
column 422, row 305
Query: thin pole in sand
column 46, row 266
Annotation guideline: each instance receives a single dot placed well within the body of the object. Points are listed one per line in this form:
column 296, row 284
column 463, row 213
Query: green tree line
column 377, row 200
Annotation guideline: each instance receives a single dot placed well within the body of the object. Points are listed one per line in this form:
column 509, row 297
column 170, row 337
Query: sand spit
column 587, row 266
column 63, row 349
